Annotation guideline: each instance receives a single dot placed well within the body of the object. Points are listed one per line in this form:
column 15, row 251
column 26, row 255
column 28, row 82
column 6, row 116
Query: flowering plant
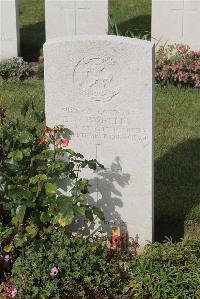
column 31, row 166
column 178, row 65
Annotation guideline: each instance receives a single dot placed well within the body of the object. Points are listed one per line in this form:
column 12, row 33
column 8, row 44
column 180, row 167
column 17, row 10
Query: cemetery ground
column 177, row 119
column 177, row 191
column 177, row 146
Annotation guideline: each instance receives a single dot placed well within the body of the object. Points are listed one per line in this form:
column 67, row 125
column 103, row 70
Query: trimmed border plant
column 178, row 65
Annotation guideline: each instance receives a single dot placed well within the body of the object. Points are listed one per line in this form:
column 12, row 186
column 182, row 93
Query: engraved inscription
column 103, row 124
column 97, row 78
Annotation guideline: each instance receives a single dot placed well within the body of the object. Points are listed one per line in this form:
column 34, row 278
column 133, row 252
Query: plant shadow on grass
column 177, row 189
column 138, row 25
column 32, row 39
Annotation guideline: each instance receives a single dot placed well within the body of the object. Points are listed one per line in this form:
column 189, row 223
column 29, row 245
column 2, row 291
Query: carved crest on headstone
column 96, row 78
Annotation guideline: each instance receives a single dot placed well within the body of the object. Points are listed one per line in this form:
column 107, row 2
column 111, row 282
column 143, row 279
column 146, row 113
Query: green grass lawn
column 32, row 28
column 177, row 142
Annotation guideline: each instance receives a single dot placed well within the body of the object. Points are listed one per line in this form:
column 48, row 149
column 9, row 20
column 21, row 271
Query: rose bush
column 178, row 65
column 32, row 163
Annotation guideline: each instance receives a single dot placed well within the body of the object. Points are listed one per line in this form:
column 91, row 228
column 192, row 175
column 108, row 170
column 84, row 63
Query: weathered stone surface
column 101, row 88
column 68, row 17
column 9, row 29
column 176, row 21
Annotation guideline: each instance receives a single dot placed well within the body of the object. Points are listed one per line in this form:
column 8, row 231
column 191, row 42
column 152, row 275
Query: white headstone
column 176, row 21
column 9, row 29
column 101, row 88
column 75, row 17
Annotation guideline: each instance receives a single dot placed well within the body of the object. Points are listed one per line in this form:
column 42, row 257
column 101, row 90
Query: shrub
column 59, row 266
column 15, row 69
column 168, row 271
column 31, row 166
column 178, row 65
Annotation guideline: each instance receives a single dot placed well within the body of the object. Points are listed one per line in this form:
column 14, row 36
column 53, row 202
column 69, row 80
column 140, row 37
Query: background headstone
column 176, row 21
column 9, row 29
column 101, row 88
column 75, row 17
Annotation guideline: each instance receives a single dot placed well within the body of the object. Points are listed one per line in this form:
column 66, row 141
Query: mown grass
column 132, row 15
column 177, row 142
column 177, row 159
column 32, row 28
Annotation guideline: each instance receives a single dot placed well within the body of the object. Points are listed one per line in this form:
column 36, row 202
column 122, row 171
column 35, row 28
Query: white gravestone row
column 9, row 29
column 176, row 21
column 101, row 88
column 75, row 17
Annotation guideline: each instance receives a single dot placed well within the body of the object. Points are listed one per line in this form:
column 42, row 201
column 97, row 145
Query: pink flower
column 54, row 271
column 13, row 292
column 64, row 142
column 7, row 258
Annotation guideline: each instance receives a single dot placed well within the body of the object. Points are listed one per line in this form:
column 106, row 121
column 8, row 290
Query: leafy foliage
column 168, row 271
column 15, row 69
column 31, row 167
column 178, row 65
column 85, row 268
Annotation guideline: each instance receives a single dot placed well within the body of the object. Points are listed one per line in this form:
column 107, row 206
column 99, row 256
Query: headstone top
column 176, row 21
column 76, row 17
column 112, row 38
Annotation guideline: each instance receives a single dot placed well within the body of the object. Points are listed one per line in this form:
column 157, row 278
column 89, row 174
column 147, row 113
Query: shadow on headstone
column 109, row 198
column 104, row 188
column 32, row 40
column 177, row 188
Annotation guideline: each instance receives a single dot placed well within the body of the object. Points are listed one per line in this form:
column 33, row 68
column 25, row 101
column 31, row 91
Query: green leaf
column 25, row 108
column 19, row 240
column 66, row 217
column 12, row 164
column 2, row 187
column 81, row 186
column 38, row 178
column 20, row 213
column 89, row 214
column 43, row 177
column 71, row 152
column 99, row 213
column 25, row 137
column 16, row 155
column 50, row 189
column 92, row 164
column 8, row 248
column 44, row 218
column 79, row 211
column 32, row 230
column 34, row 180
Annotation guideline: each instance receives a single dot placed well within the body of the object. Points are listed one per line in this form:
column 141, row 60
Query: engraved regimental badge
column 97, row 78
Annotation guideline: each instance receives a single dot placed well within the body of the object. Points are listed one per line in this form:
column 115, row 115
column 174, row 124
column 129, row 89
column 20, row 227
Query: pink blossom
column 7, row 258
column 54, row 271
column 65, row 142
